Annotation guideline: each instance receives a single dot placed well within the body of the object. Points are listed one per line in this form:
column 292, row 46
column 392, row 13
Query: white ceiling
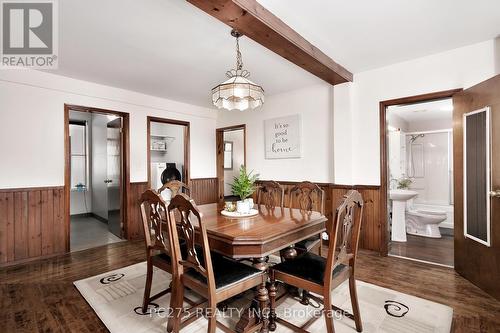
column 434, row 111
column 367, row 34
column 165, row 48
column 171, row 49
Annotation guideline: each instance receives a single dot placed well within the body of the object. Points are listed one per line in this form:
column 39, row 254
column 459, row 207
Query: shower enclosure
column 429, row 163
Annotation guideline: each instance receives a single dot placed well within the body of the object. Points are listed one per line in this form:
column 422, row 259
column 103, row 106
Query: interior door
column 114, row 172
column 476, row 119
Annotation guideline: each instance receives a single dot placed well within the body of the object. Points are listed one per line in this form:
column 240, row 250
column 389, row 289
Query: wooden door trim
column 187, row 144
column 125, row 205
column 219, row 154
column 383, row 105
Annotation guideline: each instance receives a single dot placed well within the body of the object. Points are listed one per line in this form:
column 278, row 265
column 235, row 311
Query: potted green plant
column 243, row 186
column 404, row 183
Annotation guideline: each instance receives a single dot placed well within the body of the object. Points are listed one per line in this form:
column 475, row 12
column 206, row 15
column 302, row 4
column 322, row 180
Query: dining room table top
column 271, row 230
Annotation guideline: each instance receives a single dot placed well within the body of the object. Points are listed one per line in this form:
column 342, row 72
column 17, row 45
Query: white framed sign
column 282, row 137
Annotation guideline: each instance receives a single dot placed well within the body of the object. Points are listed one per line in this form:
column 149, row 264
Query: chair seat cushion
column 307, row 244
column 163, row 258
column 307, row 266
column 226, row 271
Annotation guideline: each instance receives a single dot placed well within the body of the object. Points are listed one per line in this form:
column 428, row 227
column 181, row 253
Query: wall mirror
column 228, row 155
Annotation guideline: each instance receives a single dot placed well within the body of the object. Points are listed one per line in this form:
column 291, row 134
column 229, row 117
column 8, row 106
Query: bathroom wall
column 429, row 165
column 397, row 148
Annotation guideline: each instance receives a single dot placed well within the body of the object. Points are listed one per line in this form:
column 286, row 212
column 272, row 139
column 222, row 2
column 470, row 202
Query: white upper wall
column 32, row 126
column 32, row 132
column 458, row 68
column 315, row 104
column 353, row 137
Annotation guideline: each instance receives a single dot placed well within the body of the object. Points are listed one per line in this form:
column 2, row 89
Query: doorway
column 168, row 143
column 231, row 156
column 96, row 176
column 417, row 177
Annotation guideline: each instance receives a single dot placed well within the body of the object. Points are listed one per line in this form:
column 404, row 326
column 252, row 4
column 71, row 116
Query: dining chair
column 157, row 235
column 321, row 275
column 175, row 186
column 308, row 197
column 214, row 277
column 270, row 194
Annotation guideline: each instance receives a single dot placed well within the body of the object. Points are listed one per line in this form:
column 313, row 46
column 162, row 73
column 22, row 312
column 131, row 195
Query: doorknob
column 495, row 194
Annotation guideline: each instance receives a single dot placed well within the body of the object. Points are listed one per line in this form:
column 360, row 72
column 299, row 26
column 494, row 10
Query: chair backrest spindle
column 157, row 231
column 187, row 213
column 343, row 233
column 308, row 197
column 270, row 194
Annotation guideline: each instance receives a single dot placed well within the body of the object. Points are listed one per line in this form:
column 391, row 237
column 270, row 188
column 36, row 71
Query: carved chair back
column 176, row 187
column 343, row 233
column 183, row 210
column 270, row 194
column 156, row 224
column 308, row 197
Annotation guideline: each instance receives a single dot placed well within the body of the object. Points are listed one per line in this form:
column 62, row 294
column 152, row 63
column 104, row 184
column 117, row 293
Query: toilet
column 424, row 223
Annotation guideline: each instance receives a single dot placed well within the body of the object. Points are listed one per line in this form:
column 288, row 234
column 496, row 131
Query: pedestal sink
column 399, row 198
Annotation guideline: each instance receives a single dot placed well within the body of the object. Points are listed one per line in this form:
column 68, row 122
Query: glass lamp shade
column 237, row 93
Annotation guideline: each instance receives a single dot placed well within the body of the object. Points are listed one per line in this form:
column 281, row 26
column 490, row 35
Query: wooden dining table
column 256, row 237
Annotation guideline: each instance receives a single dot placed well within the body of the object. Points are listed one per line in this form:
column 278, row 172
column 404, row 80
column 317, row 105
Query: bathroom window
column 78, row 142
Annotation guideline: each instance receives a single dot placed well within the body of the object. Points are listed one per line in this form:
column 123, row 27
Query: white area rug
column 116, row 297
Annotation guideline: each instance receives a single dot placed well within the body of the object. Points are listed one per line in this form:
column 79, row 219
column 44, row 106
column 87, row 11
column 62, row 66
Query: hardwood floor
column 40, row 296
column 438, row 250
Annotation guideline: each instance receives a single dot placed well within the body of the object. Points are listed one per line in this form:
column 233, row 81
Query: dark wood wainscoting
column 134, row 223
column 371, row 227
column 31, row 224
column 204, row 190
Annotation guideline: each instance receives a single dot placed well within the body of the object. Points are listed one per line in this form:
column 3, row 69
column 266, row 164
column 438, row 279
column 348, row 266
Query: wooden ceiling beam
column 254, row 21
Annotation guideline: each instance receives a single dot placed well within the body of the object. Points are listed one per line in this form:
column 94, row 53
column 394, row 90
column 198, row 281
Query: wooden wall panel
column 371, row 227
column 6, row 227
column 20, row 225
column 135, row 223
column 34, row 224
column 204, row 190
column 31, row 223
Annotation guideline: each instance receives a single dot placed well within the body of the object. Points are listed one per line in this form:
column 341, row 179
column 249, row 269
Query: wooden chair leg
column 176, row 304
column 320, row 251
column 211, row 316
column 147, row 288
column 328, row 312
column 263, row 298
column 272, row 298
column 305, row 297
column 355, row 304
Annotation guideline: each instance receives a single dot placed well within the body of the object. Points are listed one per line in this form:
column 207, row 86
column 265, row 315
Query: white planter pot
column 250, row 202
column 242, row 207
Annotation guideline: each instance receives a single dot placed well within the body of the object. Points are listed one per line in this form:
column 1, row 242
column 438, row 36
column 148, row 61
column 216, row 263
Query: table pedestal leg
column 248, row 318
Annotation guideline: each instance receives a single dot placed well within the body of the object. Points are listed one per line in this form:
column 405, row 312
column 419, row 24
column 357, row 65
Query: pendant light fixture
column 238, row 92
